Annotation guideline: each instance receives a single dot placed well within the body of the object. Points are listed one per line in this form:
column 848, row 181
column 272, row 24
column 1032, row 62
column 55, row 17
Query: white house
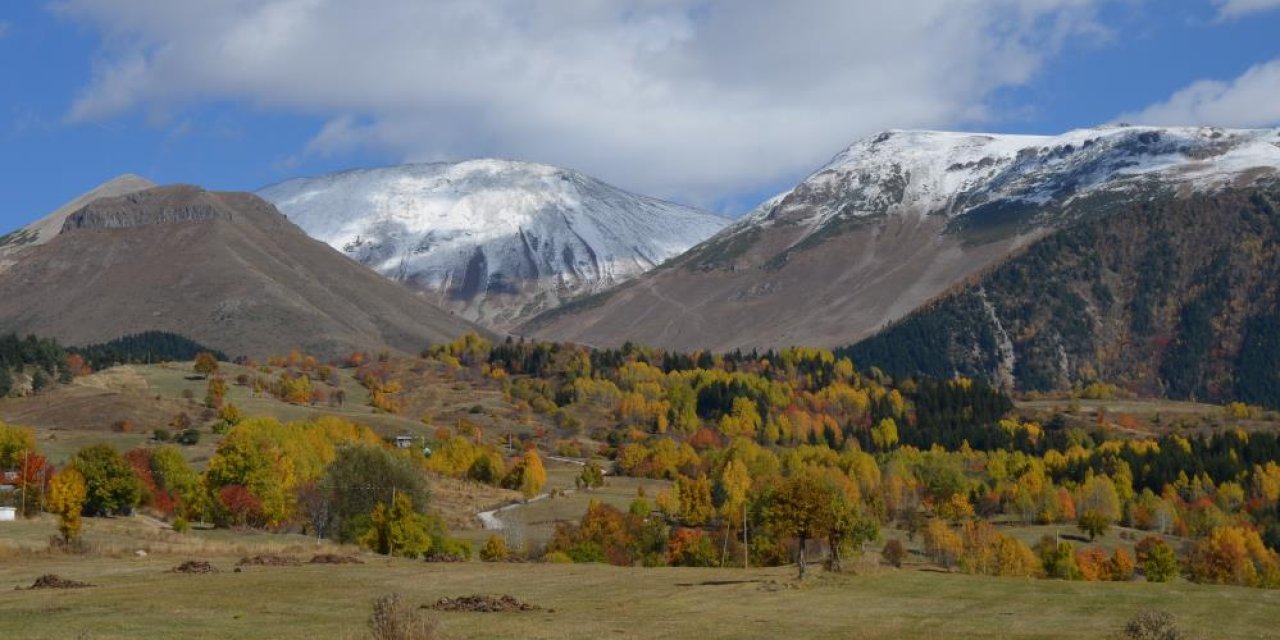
column 8, row 514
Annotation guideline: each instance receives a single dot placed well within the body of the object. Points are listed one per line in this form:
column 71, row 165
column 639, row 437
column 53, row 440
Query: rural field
column 137, row 596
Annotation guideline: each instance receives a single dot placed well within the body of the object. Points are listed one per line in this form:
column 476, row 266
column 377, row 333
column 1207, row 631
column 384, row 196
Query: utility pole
column 26, row 460
column 746, row 546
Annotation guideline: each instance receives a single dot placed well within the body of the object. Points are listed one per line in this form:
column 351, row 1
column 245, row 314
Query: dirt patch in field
column 269, row 560
column 50, row 581
column 195, row 567
column 483, row 604
column 333, row 558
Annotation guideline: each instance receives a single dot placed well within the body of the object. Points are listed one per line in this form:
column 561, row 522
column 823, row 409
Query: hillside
column 496, row 241
column 224, row 269
column 895, row 220
column 45, row 229
column 1173, row 297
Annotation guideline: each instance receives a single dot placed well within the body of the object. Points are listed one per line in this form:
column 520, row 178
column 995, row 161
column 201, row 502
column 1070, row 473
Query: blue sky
column 716, row 103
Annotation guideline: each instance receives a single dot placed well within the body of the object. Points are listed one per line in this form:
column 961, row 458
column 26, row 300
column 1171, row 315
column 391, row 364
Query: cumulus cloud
column 691, row 99
column 1247, row 101
column 1232, row 9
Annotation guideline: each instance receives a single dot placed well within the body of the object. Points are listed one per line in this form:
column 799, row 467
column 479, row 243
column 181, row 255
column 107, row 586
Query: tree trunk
column 835, row 555
column 800, row 561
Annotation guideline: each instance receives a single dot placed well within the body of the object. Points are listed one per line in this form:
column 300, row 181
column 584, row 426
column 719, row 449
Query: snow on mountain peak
column 937, row 172
column 497, row 240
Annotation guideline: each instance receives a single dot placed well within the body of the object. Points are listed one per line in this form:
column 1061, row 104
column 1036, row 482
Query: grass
column 535, row 522
column 136, row 597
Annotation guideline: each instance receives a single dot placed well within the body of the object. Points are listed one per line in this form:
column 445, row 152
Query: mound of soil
column 50, row 581
column 195, row 566
column 333, row 558
column 269, row 560
column 482, row 604
column 445, row 557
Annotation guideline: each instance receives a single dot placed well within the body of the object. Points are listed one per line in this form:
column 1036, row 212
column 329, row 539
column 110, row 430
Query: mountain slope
column 44, row 229
column 1177, row 297
column 224, row 269
column 895, row 220
column 495, row 240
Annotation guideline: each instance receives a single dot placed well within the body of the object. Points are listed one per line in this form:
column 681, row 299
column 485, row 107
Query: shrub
column 894, row 552
column 557, row 557
column 1152, row 625
column 495, row 549
column 450, row 549
column 1158, row 559
column 189, row 437
column 392, row 619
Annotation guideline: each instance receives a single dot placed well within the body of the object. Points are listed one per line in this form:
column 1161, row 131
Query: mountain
column 44, row 229
column 224, row 269
column 1175, row 297
column 496, row 241
column 895, row 220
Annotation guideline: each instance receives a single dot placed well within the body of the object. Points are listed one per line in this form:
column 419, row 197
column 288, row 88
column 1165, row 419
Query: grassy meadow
column 136, row 597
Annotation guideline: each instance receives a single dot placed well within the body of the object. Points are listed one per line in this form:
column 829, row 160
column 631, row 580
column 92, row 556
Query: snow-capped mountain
column 495, row 240
column 957, row 174
column 897, row 219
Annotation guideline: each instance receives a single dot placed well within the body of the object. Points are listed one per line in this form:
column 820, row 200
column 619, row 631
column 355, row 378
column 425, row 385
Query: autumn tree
column 206, row 364
column 494, row 549
column 850, row 528
column 942, row 544
column 1234, row 555
column 696, row 508
column 528, row 475
column 15, row 442
column 215, row 392
column 361, row 476
column 1159, row 561
column 800, row 508
column 111, row 486
column 398, row 530
column 735, row 484
column 1058, row 559
column 691, row 548
column 885, row 434
column 1094, row 523
column 592, row 476
column 1098, row 506
column 67, row 493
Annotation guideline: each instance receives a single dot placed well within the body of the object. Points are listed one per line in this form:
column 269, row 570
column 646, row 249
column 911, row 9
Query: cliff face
column 161, row 205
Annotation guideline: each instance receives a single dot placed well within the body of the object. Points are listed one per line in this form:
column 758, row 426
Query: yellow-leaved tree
column 67, row 492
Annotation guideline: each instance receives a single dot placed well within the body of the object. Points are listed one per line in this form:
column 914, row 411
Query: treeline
column 148, row 347
column 42, row 360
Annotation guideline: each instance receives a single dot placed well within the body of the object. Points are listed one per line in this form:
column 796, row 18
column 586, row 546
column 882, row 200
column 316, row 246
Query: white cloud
column 692, row 99
column 1248, row 101
column 1232, row 9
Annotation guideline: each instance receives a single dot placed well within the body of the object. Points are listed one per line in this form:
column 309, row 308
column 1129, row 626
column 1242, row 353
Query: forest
column 769, row 459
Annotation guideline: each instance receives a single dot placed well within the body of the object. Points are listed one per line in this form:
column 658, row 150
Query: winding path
column 490, row 520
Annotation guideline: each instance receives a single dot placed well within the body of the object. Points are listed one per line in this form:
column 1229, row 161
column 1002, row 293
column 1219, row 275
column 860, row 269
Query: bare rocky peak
column 160, row 205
